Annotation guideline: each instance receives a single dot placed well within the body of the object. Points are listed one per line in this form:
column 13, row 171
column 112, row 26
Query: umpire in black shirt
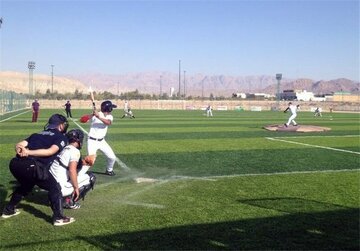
column 31, row 167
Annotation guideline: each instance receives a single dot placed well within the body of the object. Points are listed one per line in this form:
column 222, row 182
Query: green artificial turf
column 221, row 184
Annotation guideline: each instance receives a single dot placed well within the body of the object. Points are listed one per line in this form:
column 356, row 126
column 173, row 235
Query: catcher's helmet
column 75, row 135
column 107, row 106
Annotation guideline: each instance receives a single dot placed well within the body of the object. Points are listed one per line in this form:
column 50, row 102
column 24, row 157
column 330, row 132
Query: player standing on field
column 68, row 109
column 98, row 129
column 293, row 109
column 35, row 110
column 317, row 112
column 127, row 111
column 209, row 111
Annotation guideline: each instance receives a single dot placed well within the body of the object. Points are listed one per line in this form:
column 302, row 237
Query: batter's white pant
column 209, row 113
column 93, row 146
column 291, row 120
column 83, row 180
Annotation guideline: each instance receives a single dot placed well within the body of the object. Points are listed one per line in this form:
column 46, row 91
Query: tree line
column 132, row 95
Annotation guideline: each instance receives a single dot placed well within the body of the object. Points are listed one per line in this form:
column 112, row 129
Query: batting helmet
column 75, row 135
column 107, row 106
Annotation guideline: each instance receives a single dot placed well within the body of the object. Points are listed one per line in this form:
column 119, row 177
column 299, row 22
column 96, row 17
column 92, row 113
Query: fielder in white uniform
column 318, row 112
column 96, row 138
column 209, row 111
column 293, row 109
column 127, row 111
column 74, row 182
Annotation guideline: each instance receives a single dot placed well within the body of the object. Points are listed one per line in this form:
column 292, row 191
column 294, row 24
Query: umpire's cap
column 55, row 120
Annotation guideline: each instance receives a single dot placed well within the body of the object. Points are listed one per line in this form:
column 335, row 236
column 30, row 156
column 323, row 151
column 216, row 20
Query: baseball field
column 219, row 183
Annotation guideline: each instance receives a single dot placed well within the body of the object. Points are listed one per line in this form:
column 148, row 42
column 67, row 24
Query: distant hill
column 149, row 83
column 19, row 83
column 319, row 87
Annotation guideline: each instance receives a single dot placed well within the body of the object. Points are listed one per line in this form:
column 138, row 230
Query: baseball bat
column 92, row 98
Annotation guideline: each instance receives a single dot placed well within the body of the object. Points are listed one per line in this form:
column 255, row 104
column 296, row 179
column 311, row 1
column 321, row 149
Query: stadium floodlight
column 31, row 66
column 278, row 78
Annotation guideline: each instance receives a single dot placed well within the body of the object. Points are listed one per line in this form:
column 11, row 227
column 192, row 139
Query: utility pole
column 160, row 87
column 184, row 85
column 52, row 79
column 179, row 78
column 278, row 78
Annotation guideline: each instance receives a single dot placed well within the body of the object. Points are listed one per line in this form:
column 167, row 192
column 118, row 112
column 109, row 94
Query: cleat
column 9, row 213
column 73, row 206
column 70, row 204
column 285, row 125
column 63, row 221
column 110, row 173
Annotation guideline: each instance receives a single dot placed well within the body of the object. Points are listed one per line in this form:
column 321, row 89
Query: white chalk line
column 318, row 136
column 127, row 199
column 311, row 145
column 277, row 173
column 13, row 116
column 175, row 178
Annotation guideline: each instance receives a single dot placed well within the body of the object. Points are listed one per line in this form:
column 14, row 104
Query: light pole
column 117, row 90
column 160, row 86
column 31, row 66
column 184, row 85
column 278, row 78
column 179, row 78
column 202, row 90
column 52, row 79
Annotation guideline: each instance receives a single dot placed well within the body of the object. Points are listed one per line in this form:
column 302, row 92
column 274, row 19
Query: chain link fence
column 11, row 101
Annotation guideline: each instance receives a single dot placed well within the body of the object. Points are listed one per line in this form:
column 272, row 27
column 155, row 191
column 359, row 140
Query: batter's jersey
column 59, row 168
column 44, row 140
column 98, row 129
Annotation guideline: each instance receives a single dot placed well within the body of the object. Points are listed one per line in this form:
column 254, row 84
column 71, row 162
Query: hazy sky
column 311, row 39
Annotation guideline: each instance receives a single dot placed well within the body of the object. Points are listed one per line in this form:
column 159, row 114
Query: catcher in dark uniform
column 30, row 167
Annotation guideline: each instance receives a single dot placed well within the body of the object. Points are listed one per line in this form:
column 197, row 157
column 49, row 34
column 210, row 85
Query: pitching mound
column 298, row 128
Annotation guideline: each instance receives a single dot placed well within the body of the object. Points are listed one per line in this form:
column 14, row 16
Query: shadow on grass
column 334, row 230
column 309, row 225
column 3, row 194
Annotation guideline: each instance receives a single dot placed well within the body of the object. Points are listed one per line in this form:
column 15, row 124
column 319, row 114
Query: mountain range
column 154, row 82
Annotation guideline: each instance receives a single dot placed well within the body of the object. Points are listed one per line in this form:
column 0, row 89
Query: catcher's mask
column 75, row 135
column 107, row 106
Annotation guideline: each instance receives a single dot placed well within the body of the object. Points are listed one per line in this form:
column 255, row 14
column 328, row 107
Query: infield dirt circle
column 298, row 128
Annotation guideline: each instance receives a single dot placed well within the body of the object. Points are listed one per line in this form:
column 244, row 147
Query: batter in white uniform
column 98, row 129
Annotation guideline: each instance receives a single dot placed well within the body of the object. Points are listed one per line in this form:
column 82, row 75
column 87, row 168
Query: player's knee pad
column 85, row 189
